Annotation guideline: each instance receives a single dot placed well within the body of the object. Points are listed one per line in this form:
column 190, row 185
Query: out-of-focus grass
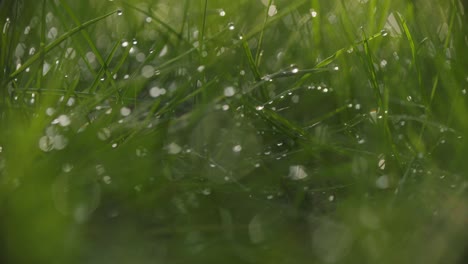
column 236, row 131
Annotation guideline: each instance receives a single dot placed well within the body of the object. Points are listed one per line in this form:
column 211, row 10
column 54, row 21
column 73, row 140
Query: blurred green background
column 249, row 131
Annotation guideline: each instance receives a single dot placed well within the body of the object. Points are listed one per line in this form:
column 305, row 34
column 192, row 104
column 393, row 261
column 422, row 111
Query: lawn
column 249, row 131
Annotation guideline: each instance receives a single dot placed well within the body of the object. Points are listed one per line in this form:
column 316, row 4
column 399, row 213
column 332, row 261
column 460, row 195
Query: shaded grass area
column 244, row 132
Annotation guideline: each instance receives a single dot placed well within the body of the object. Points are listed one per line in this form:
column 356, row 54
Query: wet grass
column 235, row 131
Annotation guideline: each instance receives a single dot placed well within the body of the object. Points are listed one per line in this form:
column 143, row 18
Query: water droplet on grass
column 237, row 148
column 272, row 10
column 381, row 163
column 107, row 179
column 147, row 71
column 297, row 172
column 63, row 120
column 52, row 34
column 229, row 91
column 256, row 231
column 156, row 91
column 45, row 68
column 313, row 13
column 173, row 149
column 259, row 108
column 119, row 12
column 125, row 111
column 382, row 182
column 164, row 51
column 295, row 98
column 46, row 144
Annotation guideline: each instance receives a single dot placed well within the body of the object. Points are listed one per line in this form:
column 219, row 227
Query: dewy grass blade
column 412, row 45
column 373, row 74
column 104, row 69
column 260, row 40
column 253, row 67
column 54, row 44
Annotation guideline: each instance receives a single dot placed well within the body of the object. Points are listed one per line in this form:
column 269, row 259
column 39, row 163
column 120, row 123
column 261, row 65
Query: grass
column 207, row 131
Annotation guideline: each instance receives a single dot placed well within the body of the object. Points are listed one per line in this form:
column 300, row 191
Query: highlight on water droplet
column 272, row 10
column 156, row 91
column 313, row 13
column 125, row 111
column 229, row 91
column 382, row 182
column 173, row 148
column 147, row 71
column 297, row 172
column 119, row 12
column 63, row 120
column 237, row 148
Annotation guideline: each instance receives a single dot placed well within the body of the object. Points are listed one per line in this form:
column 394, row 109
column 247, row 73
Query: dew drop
column 383, row 63
column 272, row 10
column 297, row 172
column 147, row 71
column 313, row 13
column 259, row 108
column 125, row 111
column 107, row 179
column 67, row 167
column 229, row 91
column 237, row 148
column 173, row 149
column 119, row 12
column 59, row 142
column 156, row 91
column 46, row 144
column 63, row 120
column 382, row 182
column 50, row 111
